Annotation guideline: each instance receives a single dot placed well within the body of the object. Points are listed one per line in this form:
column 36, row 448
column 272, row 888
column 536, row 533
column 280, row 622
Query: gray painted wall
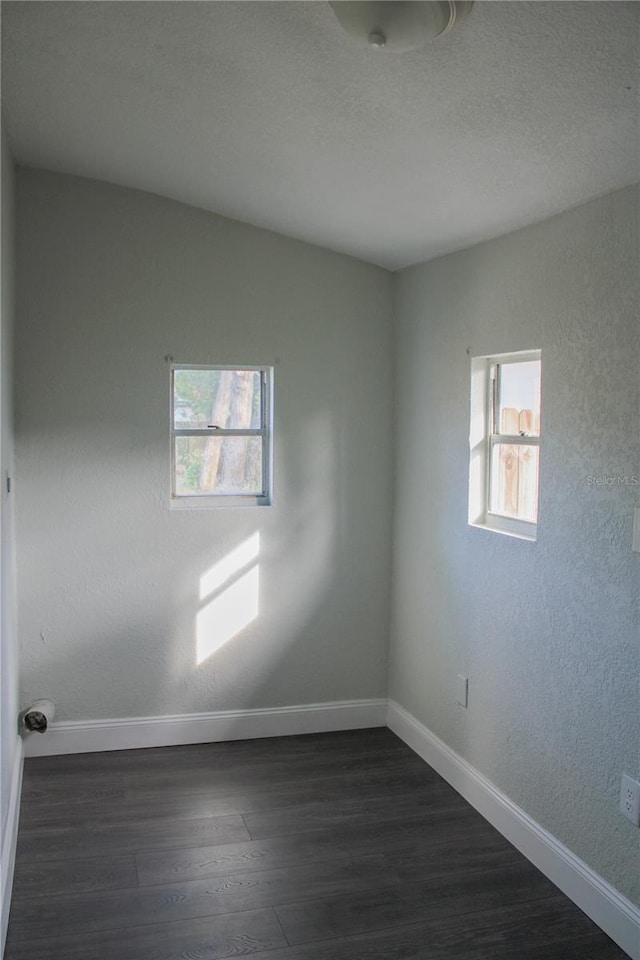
column 548, row 632
column 8, row 636
column 110, row 282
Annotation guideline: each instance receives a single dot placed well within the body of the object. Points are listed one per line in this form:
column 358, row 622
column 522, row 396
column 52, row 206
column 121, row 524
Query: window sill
column 217, row 503
column 519, row 529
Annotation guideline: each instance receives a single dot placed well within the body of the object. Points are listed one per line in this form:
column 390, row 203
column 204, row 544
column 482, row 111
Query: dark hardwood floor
column 341, row 846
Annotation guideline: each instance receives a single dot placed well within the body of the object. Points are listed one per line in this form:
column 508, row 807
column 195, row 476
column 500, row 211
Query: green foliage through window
column 208, row 400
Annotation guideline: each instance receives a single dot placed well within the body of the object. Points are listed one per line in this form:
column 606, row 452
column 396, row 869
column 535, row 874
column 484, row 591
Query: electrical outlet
column 630, row 799
column 635, row 540
column 462, row 690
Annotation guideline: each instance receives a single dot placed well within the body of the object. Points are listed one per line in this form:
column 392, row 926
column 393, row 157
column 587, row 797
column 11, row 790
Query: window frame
column 195, row 501
column 483, row 438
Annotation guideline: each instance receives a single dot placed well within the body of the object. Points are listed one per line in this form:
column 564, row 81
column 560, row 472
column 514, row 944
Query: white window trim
column 480, row 444
column 209, row 501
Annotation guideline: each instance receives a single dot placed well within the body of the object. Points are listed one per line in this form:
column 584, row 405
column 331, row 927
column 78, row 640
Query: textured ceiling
column 266, row 112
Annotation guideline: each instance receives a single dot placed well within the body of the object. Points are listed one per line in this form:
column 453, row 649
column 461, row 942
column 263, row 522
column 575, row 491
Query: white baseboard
column 89, row 736
column 9, row 841
column 617, row 916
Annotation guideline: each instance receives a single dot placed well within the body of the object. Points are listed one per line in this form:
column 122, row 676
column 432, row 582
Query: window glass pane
column 218, row 465
column 519, row 398
column 229, row 399
column 514, row 481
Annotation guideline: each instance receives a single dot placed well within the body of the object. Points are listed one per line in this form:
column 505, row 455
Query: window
column 505, row 441
column 221, row 431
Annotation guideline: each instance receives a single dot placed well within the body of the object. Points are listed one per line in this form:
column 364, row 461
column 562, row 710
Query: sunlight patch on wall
column 225, row 569
column 233, row 585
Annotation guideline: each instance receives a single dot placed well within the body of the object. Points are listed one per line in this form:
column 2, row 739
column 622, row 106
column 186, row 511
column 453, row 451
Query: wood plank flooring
column 341, row 846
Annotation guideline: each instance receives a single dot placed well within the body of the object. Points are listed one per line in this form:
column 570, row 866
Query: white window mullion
column 217, row 432
column 514, row 441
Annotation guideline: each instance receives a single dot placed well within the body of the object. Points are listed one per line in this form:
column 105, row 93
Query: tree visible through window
column 221, row 432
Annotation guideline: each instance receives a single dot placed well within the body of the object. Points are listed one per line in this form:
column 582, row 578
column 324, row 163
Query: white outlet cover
column 462, row 690
column 635, row 542
column 630, row 799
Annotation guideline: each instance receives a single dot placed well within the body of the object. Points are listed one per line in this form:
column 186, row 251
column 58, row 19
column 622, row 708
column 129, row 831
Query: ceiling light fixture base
column 398, row 25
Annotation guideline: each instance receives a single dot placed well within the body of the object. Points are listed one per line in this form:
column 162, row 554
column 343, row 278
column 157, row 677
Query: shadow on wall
column 246, row 618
